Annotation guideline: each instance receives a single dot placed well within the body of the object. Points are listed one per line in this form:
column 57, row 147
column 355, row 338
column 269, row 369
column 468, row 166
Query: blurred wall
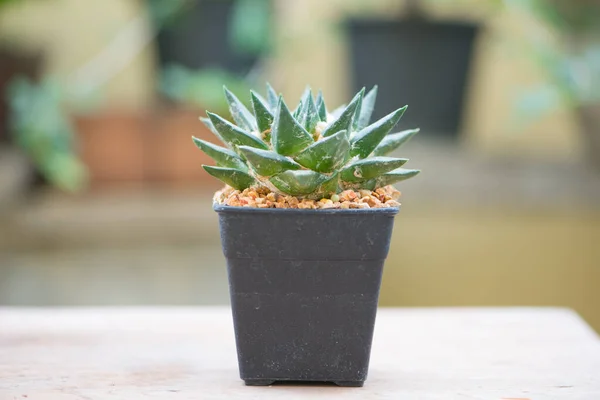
column 310, row 48
column 452, row 256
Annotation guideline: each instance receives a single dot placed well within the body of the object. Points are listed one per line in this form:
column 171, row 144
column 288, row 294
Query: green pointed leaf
column 396, row 175
column 393, row 141
column 242, row 117
column 266, row 162
column 222, row 156
column 287, row 135
column 344, row 121
column 327, row 154
column 367, row 185
column 369, row 168
column 264, row 118
column 260, row 96
column 297, row 111
column 272, row 97
column 297, row 183
column 236, row 179
column 327, row 188
column 305, row 94
column 366, row 140
column 322, row 109
column 309, row 116
column 207, row 122
column 233, row 135
column 312, row 116
column 366, row 110
column 356, row 115
column 371, row 184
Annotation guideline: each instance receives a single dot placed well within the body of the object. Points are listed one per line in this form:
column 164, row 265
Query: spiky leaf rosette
column 307, row 151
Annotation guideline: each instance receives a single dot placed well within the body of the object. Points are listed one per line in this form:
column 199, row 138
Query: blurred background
column 103, row 200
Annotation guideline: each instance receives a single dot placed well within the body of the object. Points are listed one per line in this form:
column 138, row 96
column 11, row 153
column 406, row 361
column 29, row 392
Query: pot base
column 259, row 382
column 349, row 383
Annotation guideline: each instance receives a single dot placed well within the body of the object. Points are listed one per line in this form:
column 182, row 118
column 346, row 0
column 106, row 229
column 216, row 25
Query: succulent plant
column 307, row 152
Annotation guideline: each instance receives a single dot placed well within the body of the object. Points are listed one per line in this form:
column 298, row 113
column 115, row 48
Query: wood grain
column 189, row 353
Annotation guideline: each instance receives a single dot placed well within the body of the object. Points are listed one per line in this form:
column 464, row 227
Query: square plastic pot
column 304, row 288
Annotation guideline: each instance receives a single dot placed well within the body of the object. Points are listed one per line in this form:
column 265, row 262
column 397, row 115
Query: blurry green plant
column 250, row 33
column 164, row 12
column 250, row 21
column 6, row 2
column 568, row 52
column 200, row 88
column 307, row 152
column 251, row 27
column 42, row 129
column 41, row 125
column 38, row 120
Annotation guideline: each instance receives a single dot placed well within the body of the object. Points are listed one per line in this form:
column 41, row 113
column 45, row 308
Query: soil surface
column 263, row 197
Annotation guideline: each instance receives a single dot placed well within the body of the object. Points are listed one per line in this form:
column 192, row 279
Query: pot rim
column 328, row 211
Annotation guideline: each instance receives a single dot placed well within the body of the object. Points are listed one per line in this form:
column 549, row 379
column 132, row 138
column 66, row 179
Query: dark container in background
column 12, row 64
column 199, row 38
column 417, row 62
column 304, row 288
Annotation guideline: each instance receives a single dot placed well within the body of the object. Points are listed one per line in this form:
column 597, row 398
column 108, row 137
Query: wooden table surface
column 189, row 353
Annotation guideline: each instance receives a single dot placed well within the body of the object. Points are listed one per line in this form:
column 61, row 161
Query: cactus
column 307, row 152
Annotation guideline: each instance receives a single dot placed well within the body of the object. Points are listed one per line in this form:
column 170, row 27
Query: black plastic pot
column 418, row 62
column 304, row 287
